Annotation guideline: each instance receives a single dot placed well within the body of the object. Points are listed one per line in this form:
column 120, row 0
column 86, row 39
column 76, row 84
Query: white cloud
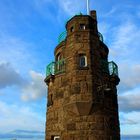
column 35, row 89
column 125, row 40
column 103, row 29
column 129, row 121
column 130, row 77
column 9, row 76
column 111, row 12
column 123, row 34
column 32, row 89
column 124, row 49
column 15, row 117
column 134, row 116
column 16, row 51
column 130, row 101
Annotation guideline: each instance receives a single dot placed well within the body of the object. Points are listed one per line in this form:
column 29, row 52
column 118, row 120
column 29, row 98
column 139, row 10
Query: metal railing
column 55, row 67
column 109, row 67
column 100, row 37
column 62, row 36
column 113, row 68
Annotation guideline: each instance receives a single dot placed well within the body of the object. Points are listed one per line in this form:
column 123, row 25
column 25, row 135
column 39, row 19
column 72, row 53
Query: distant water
column 22, row 139
column 130, row 138
column 122, row 138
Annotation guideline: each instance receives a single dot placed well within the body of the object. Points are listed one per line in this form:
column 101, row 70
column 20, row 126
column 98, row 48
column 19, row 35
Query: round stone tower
column 82, row 95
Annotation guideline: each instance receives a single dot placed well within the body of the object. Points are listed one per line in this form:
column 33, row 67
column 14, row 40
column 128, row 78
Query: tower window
column 83, row 61
column 82, row 26
column 55, row 138
column 72, row 29
column 50, row 100
column 58, row 57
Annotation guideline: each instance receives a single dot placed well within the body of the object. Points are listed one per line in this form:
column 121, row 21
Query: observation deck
column 60, row 66
column 55, row 68
column 109, row 67
column 63, row 36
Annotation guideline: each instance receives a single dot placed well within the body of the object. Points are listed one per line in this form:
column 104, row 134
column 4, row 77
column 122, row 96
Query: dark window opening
column 83, row 61
column 55, row 137
column 50, row 100
column 82, row 26
column 58, row 57
column 72, row 29
column 58, row 61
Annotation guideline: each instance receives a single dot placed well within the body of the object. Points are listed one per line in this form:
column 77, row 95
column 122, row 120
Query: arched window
column 59, row 64
column 83, row 60
column 58, row 57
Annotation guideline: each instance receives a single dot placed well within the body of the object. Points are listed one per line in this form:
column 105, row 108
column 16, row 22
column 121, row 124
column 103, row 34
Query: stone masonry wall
column 79, row 107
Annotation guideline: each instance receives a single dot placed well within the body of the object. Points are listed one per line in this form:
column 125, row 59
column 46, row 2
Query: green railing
column 55, row 67
column 100, row 37
column 50, row 69
column 62, row 36
column 109, row 67
column 113, row 68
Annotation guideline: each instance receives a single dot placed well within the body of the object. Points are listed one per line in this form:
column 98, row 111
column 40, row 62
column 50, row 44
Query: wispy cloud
column 122, row 37
column 129, row 77
column 129, row 101
column 15, row 50
column 9, row 76
column 125, row 40
column 22, row 134
column 14, row 117
column 69, row 8
column 44, row 8
column 110, row 12
column 130, row 123
column 103, row 29
column 35, row 89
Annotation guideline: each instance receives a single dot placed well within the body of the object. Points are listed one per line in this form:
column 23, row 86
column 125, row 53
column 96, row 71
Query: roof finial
column 88, row 8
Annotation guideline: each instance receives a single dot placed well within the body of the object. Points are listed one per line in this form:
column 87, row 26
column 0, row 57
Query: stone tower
column 82, row 94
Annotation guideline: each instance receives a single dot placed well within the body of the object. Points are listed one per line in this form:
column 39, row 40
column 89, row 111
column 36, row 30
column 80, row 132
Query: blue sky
column 29, row 33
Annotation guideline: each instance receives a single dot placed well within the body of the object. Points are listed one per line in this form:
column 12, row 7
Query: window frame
column 58, row 58
column 82, row 58
column 56, row 137
column 72, row 29
column 82, row 26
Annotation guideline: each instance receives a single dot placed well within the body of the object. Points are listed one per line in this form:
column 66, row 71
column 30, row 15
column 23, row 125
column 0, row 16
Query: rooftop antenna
column 88, row 9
